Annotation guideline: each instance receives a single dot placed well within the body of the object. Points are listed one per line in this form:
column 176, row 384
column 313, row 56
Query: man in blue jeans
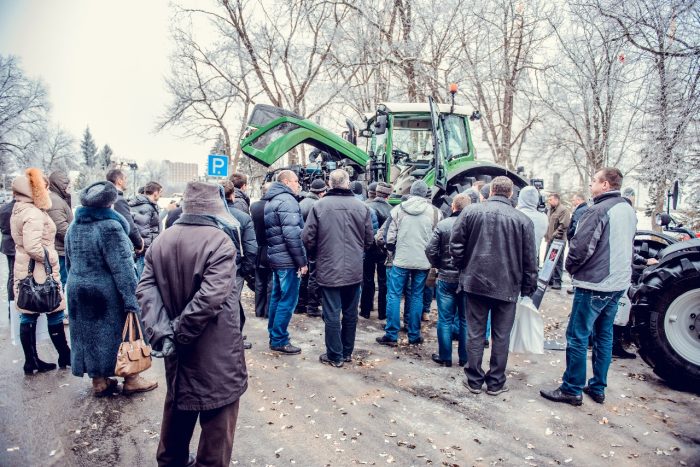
column 410, row 227
column 337, row 233
column 600, row 263
column 452, row 305
column 286, row 257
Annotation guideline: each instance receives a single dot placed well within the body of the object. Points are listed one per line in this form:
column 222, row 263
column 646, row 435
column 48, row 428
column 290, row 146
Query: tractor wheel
column 671, row 344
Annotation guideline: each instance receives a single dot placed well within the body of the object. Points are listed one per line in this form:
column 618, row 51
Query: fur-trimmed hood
column 88, row 215
column 32, row 187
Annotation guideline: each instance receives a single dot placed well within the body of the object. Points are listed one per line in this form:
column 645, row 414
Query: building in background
column 181, row 172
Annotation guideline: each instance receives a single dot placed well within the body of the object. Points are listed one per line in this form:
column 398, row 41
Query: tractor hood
column 272, row 140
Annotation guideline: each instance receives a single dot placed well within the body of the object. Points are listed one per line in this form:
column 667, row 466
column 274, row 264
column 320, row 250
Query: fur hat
column 99, row 195
column 318, row 186
column 419, row 188
column 207, row 199
column 383, row 189
column 35, row 186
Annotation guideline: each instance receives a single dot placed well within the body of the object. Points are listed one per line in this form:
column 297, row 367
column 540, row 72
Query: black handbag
column 39, row 298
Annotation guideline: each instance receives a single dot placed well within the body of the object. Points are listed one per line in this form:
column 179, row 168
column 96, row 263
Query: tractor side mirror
column 380, row 124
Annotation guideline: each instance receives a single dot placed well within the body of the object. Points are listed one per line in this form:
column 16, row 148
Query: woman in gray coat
column 102, row 284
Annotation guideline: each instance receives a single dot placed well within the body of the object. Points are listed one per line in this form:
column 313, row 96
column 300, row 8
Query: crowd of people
column 326, row 253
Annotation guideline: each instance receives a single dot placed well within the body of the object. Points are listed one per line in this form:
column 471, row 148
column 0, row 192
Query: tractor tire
column 667, row 321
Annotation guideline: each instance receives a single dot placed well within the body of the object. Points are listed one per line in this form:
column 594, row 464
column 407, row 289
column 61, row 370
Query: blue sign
column 217, row 165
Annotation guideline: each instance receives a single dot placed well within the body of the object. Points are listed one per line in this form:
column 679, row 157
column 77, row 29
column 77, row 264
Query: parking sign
column 217, row 166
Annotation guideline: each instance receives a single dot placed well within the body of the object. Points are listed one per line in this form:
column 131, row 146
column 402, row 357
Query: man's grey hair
column 339, row 178
column 502, row 186
column 461, row 201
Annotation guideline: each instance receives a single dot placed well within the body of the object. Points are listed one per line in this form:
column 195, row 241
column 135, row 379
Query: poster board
column 555, row 250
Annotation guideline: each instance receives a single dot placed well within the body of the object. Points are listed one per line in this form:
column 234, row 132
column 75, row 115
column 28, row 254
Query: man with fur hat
column 411, row 226
column 189, row 303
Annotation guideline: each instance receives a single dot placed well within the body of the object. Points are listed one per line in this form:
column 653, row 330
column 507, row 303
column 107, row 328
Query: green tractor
column 402, row 143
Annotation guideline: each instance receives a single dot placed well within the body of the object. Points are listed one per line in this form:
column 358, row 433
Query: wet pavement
column 390, row 406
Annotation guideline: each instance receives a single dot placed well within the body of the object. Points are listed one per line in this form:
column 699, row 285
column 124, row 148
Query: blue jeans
column 428, row 295
column 592, row 314
column 283, row 301
column 452, row 310
column 396, row 282
column 53, row 318
column 340, row 335
column 140, row 264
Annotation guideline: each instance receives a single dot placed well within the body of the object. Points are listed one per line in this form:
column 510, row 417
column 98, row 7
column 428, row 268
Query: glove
column 167, row 349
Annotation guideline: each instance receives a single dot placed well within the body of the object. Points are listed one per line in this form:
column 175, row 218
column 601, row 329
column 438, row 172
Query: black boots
column 27, row 335
column 58, row 337
column 618, row 348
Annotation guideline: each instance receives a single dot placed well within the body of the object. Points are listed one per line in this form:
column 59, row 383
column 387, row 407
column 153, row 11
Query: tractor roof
column 420, row 107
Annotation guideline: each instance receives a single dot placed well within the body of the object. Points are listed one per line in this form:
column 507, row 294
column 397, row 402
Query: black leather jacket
column 438, row 250
column 493, row 246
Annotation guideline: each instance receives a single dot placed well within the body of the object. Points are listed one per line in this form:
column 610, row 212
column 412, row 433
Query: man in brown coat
column 559, row 219
column 189, row 304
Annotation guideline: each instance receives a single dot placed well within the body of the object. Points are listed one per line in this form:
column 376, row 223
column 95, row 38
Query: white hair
column 339, row 179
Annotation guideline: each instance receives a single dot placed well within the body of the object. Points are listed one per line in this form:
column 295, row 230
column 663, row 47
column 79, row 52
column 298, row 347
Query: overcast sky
column 104, row 64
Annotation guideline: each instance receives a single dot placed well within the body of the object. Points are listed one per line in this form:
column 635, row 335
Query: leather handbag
column 39, row 298
column 431, row 280
column 134, row 355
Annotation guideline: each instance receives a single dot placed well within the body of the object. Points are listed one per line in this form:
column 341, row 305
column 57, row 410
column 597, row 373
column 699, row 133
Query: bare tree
column 53, row 149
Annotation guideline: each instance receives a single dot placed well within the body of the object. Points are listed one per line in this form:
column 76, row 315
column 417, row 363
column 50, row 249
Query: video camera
column 539, row 184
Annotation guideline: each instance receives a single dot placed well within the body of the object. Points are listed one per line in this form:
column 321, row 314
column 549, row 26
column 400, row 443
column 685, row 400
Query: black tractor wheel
column 667, row 308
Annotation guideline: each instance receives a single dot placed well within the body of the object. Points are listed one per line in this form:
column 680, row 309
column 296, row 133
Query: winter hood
column 32, row 187
column 58, row 183
column 529, row 198
column 414, row 205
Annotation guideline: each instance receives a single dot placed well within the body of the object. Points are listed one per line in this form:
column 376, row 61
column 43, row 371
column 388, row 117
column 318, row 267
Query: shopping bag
column 42, row 326
column 622, row 316
column 527, row 335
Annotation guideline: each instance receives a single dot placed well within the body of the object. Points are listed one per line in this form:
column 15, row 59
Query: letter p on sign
column 217, row 165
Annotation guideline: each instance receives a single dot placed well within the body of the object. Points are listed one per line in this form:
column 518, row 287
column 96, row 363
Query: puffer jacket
column 60, row 211
column 283, row 226
column 33, row 231
column 146, row 219
column 241, row 200
column 528, row 201
column 492, row 245
column 411, row 227
column 601, row 251
column 244, row 241
column 438, row 250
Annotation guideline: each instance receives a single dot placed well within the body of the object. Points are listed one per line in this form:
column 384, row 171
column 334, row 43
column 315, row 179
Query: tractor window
column 456, row 136
column 412, row 135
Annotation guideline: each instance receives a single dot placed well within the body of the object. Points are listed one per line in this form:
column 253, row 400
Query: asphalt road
column 391, row 406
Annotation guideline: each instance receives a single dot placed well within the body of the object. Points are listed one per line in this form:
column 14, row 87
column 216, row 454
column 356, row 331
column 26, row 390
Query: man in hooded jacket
column 411, row 226
column 528, row 201
column 61, row 214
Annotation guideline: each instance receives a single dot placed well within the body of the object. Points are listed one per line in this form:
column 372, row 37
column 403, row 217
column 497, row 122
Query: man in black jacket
column 376, row 257
column 240, row 183
column 145, row 210
column 118, row 179
column 337, row 233
column 493, row 246
column 452, row 304
column 263, row 273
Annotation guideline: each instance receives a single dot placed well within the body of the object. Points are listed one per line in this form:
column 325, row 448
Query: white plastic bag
column 42, row 326
column 623, row 311
column 527, row 335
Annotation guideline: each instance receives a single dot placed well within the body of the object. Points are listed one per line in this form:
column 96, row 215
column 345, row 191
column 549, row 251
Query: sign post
column 217, row 165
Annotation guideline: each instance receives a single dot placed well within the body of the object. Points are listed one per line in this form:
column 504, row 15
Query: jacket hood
column 529, row 198
column 414, row 205
column 277, row 188
column 32, row 188
column 58, row 183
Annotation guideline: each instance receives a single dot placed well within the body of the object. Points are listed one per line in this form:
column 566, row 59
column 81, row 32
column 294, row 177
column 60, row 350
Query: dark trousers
column 558, row 268
column 215, row 442
column 340, row 334
column 263, row 288
column 11, row 278
column 371, row 264
column 309, row 296
column 502, row 317
column 240, row 283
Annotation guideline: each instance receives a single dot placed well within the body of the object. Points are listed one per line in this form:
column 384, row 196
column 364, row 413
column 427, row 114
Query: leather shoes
column 416, row 342
column 386, row 341
column 323, row 358
column 436, row 359
column 288, row 349
column 556, row 395
column 596, row 396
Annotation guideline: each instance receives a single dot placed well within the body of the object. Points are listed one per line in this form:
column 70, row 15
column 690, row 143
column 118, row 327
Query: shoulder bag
column 39, row 298
column 134, row 355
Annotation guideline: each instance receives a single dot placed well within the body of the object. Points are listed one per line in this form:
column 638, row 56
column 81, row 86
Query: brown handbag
column 134, row 355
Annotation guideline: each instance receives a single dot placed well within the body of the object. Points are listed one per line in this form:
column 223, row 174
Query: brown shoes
column 134, row 384
column 102, row 387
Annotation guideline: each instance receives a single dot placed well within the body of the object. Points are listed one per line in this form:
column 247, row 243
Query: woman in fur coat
column 102, row 284
column 33, row 232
